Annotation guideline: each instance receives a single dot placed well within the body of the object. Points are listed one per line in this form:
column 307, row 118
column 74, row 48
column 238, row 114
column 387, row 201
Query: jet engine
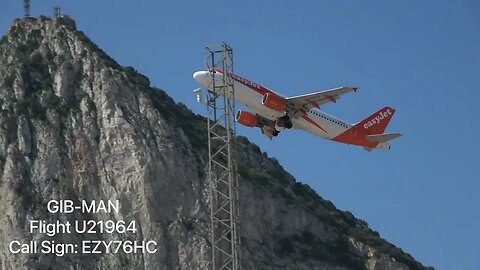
column 246, row 118
column 274, row 102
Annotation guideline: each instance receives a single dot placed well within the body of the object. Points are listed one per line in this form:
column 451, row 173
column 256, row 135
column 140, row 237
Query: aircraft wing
column 317, row 99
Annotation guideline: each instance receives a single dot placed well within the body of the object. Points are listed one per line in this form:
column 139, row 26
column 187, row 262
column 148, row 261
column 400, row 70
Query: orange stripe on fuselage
column 254, row 86
column 310, row 120
column 356, row 137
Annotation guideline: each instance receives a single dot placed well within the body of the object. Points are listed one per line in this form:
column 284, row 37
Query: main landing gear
column 282, row 123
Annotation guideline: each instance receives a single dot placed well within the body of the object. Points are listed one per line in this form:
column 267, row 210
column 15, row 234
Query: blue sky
column 420, row 57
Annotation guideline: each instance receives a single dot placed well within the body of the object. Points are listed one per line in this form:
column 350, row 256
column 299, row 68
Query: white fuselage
column 248, row 94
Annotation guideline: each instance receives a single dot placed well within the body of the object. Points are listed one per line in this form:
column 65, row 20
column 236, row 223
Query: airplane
column 275, row 113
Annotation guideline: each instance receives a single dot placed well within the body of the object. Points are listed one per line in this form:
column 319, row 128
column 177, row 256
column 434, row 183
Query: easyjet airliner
column 275, row 113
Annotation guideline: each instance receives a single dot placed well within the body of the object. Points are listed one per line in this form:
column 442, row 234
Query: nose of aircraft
column 199, row 76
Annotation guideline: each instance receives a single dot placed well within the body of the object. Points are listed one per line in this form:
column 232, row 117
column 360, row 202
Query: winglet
column 355, row 89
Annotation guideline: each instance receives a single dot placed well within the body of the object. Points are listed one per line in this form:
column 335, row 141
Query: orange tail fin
column 377, row 122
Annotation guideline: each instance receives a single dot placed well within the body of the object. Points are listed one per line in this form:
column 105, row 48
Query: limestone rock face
column 76, row 125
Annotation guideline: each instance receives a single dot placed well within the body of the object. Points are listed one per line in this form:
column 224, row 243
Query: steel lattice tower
column 222, row 173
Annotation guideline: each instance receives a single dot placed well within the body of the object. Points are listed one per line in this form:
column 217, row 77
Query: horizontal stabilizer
column 380, row 138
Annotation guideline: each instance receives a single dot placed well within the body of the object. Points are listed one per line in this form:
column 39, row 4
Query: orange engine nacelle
column 274, row 102
column 246, row 118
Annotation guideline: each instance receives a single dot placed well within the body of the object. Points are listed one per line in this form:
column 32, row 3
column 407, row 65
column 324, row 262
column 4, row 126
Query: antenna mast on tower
column 26, row 7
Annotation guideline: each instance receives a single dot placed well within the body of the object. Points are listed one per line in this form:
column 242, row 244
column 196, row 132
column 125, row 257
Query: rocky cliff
column 76, row 125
